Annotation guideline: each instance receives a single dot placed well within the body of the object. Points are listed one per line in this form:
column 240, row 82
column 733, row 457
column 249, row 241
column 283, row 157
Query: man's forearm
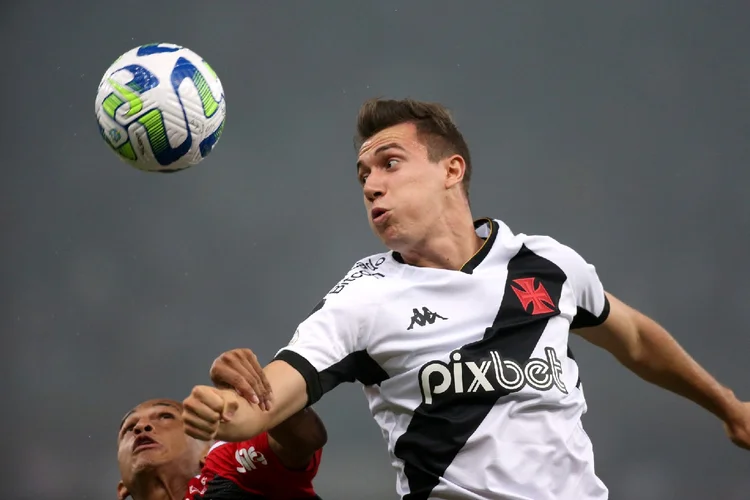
column 246, row 422
column 659, row 359
column 249, row 420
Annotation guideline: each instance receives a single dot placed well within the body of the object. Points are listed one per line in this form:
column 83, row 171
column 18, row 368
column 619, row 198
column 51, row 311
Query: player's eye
column 166, row 415
column 128, row 428
column 391, row 162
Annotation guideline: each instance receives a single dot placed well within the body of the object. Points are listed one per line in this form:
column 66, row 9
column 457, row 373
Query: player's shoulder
column 363, row 276
column 220, row 450
column 224, row 448
column 224, row 457
column 544, row 246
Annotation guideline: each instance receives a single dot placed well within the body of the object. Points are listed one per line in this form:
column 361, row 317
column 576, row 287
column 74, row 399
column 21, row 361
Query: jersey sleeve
column 329, row 346
column 592, row 305
column 252, row 467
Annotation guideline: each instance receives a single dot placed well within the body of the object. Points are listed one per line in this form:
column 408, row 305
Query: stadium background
column 619, row 128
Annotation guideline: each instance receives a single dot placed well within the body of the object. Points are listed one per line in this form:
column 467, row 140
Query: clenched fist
column 205, row 409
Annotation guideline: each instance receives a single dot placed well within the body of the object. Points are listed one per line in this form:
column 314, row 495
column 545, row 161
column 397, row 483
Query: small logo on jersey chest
column 423, row 317
column 247, row 458
column 361, row 269
column 533, row 296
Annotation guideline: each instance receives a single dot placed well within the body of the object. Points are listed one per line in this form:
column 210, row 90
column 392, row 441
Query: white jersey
column 468, row 373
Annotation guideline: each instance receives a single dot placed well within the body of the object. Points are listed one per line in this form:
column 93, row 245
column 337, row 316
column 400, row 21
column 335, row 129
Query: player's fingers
column 234, row 366
column 267, row 391
column 252, row 359
column 204, row 402
column 199, row 424
column 254, row 388
column 256, row 378
column 197, row 411
column 197, row 433
column 225, row 374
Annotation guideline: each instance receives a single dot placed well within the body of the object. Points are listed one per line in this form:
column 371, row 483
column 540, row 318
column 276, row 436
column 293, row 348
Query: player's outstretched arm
column 211, row 413
column 648, row 350
column 297, row 438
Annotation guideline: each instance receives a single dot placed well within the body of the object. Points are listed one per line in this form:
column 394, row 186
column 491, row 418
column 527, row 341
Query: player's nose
column 374, row 189
column 141, row 426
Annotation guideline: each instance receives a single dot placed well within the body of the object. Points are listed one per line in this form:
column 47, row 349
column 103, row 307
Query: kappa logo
column 536, row 297
column 247, row 458
column 423, row 317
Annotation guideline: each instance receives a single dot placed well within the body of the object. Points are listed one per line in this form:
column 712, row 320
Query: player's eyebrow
column 380, row 149
column 160, row 403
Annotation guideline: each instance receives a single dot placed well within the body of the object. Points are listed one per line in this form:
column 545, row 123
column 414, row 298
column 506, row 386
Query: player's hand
column 205, row 409
column 738, row 427
column 240, row 370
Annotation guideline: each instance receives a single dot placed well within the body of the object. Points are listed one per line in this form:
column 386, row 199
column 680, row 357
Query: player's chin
column 386, row 234
column 149, row 459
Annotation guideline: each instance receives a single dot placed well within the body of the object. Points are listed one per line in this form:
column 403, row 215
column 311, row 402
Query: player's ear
column 122, row 491
column 455, row 168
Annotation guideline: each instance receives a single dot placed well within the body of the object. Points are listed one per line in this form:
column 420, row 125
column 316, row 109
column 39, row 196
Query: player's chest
column 430, row 318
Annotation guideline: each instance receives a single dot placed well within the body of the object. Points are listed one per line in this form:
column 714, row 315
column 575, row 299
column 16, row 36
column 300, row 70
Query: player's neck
column 160, row 486
column 449, row 246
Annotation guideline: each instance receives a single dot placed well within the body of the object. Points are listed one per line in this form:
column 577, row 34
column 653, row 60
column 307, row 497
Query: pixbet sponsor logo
column 440, row 380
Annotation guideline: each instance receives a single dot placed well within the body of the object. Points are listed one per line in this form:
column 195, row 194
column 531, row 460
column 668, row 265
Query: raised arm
column 643, row 346
column 212, row 413
column 649, row 351
column 328, row 348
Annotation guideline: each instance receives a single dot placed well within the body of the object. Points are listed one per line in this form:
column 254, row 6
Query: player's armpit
column 650, row 352
column 296, row 440
column 290, row 396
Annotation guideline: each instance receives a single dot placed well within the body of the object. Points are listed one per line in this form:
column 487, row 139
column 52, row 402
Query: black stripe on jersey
column 572, row 356
column 438, row 431
column 586, row 319
column 356, row 366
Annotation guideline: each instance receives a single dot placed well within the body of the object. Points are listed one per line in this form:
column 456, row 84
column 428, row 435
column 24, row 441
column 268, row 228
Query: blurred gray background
column 619, row 128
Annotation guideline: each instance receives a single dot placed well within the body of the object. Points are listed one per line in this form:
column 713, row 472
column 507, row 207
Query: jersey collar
column 480, row 255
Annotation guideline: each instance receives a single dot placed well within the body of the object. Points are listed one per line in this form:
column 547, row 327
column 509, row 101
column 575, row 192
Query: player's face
column 151, row 436
column 403, row 189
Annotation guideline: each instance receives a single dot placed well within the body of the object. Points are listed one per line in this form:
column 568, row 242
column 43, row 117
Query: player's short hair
column 435, row 127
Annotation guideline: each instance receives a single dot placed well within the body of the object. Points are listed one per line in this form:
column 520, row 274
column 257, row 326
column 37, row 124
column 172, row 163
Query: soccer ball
column 160, row 107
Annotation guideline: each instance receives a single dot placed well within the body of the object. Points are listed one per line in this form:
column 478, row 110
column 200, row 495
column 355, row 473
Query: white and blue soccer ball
column 161, row 107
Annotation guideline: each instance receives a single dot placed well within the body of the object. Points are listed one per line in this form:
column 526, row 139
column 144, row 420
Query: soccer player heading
column 459, row 334
column 158, row 460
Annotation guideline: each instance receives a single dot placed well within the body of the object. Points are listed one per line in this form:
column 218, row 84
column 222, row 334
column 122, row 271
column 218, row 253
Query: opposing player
column 459, row 335
column 158, row 460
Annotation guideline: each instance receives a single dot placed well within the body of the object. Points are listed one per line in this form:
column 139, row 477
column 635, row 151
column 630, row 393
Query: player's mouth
column 144, row 442
column 379, row 215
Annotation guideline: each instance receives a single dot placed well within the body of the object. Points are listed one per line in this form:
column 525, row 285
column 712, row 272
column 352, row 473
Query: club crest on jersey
column 489, row 375
column 533, row 296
